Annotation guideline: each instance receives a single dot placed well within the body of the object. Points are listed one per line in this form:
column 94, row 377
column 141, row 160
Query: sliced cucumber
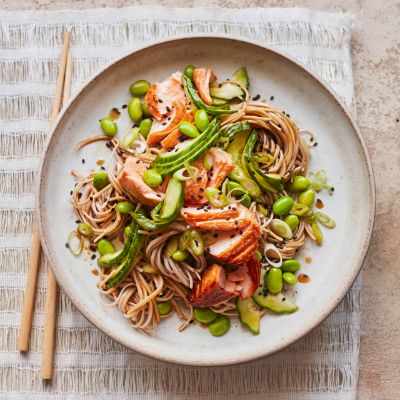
column 249, row 314
column 219, row 102
column 235, row 148
column 173, row 199
column 274, row 302
column 242, row 77
column 226, row 90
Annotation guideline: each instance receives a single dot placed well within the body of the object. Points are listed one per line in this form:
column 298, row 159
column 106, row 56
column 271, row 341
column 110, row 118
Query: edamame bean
column 152, row 178
column 164, row 307
column 282, row 205
column 220, row 326
column 204, row 315
column 146, row 112
column 135, row 109
column 105, row 247
column 246, row 201
column 189, row 69
column 180, row 255
column 299, row 184
column 273, row 280
column 289, row 278
column 188, row 129
column 290, row 266
column 307, row 198
column 140, row 87
column 292, row 221
column 196, row 243
column 145, row 126
column 124, row 207
column 201, row 120
column 85, row 229
column 100, row 180
column 108, row 126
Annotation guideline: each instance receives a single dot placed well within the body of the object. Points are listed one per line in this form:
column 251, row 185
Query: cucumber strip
column 274, row 302
column 235, row 129
column 226, row 91
column 235, row 148
column 241, row 77
column 119, row 274
column 199, row 103
column 149, row 224
column 108, row 260
column 249, row 314
column 218, row 102
column 173, row 200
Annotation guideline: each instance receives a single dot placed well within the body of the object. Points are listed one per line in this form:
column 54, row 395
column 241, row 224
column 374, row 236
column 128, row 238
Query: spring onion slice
column 231, row 195
column 281, row 228
column 130, row 137
column 262, row 210
column 172, row 246
column 180, row 175
column 318, row 181
column 196, row 243
column 192, row 171
column 269, row 247
column 184, row 240
column 317, row 232
column 216, row 199
column 85, row 229
column 263, row 158
column 300, row 210
column 325, row 220
column 208, row 161
column 75, row 237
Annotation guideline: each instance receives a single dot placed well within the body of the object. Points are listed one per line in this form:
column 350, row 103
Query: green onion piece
column 172, row 246
column 208, row 161
column 196, row 243
column 192, row 171
column 74, row 237
column 317, row 232
column 281, row 228
column 216, row 199
column 262, row 210
column 85, row 229
column 263, row 158
column 251, row 187
column 258, row 255
column 184, row 240
column 130, row 137
column 149, row 269
column 180, row 175
column 325, row 220
column 318, row 181
column 300, row 210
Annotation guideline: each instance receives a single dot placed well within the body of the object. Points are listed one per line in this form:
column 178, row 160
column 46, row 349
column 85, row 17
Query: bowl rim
column 236, row 359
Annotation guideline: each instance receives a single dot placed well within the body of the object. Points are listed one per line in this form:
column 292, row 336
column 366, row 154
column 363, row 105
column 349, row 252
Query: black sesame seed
column 201, row 189
column 160, row 101
column 124, row 106
column 167, row 108
column 158, row 195
column 164, row 123
column 153, row 152
column 215, row 235
column 83, row 161
column 67, row 245
column 211, row 174
column 102, row 168
column 255, row 98
column 137, row 161
column 200, row 196
column 284, row 299
column 236, row 221
column 181, row 139
column 192, row 196
column 272, row 98
column 232, row 236
column 77, row 221
column 315, row 144
column 93, row 256
column 241, row 232
column 91, row 197
column 199, row 178
column 219, row 193
column 71, row 192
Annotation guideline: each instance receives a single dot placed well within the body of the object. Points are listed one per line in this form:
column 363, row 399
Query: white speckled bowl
column 340, row 151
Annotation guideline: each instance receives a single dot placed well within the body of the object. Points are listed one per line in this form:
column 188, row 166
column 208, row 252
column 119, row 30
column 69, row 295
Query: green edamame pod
column 146, row 112
column 289, row 278
column 204, row 315
column 100, row 180
column 292, row 221
column 201, row 120
column 152, row 178
column 105, row 247
column 145, row 126
column 282, row 205
column 307, row 198
column 188, row 71
column 180, row 255
column 290, row 266
column 124, row 207
column 108, row 126
column 140, row 87
column 196, row 243
column 273, row 280
column 220, row 326
column 135, row 109
column 188, row 129
column 299, row 184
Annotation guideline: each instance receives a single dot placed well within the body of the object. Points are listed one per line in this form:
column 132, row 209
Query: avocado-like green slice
column 226, row 90
column 173, row 201
column 235, row 148
column 249, row 314
column 218, row 102
column 276, row 303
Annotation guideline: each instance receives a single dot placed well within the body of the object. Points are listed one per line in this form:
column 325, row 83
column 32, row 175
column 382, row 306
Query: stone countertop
column 376, row 62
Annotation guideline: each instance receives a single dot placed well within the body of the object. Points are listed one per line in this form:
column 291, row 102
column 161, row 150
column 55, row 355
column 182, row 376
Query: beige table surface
column 376, row 62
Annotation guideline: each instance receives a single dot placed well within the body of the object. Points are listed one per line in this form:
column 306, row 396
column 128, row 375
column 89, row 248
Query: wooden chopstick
column 49, row 333
column 34, row 259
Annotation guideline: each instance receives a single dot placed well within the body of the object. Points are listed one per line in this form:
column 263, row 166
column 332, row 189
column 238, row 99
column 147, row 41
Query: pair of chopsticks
column 63, row 90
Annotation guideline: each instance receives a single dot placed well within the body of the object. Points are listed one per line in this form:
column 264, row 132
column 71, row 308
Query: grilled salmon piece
column 208, row 213
column 194, row 188
column 223, row 165
column 247, row 277
column 241, row 221
column 131, row 180
column 202, row 79
column 236, row 247
column 161, row 96
column 212, row 289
